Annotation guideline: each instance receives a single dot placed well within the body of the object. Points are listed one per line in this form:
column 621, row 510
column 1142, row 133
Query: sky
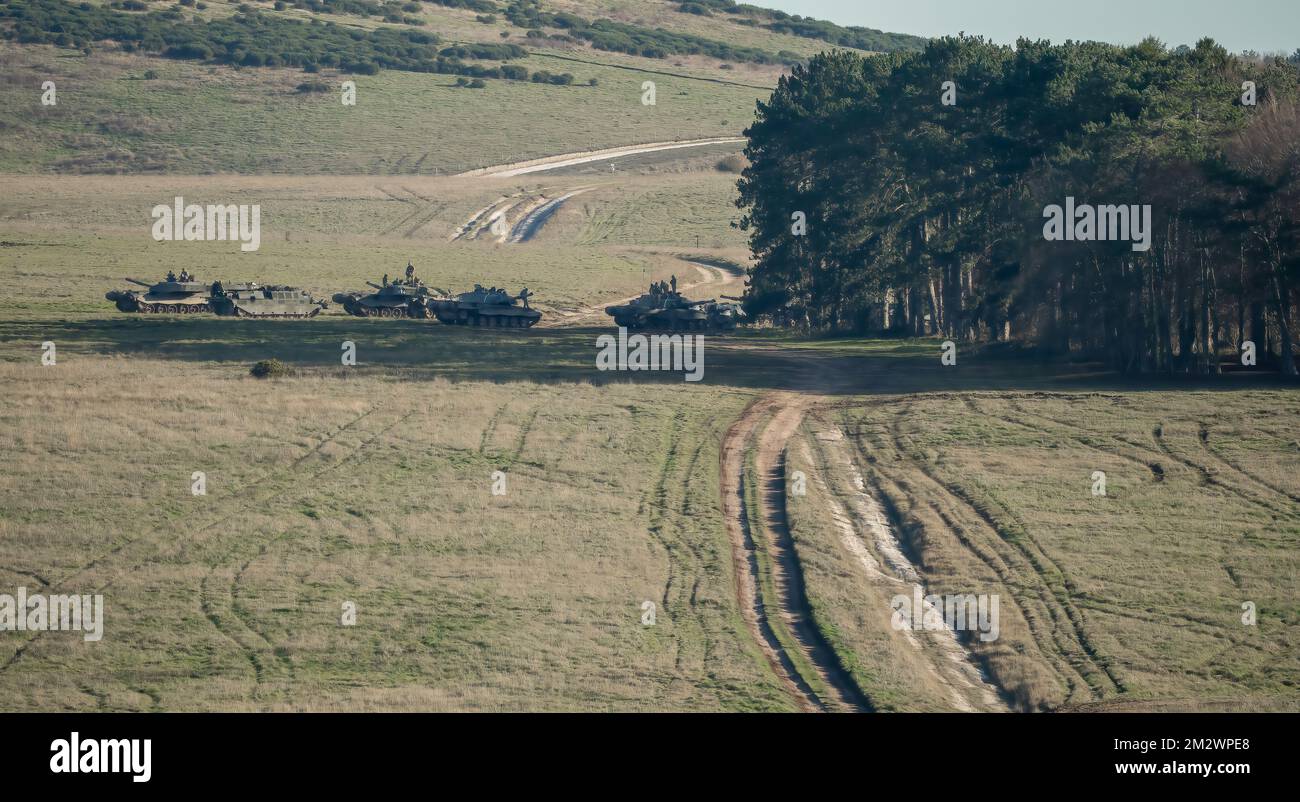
column 1265, row 26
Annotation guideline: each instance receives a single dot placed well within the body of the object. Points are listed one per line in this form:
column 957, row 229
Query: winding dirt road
column 753, row 453
column 583, row 157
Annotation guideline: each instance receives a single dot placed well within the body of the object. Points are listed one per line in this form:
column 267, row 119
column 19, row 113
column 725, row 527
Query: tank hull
column 455, row 313
column 266, row 302
column 377, row 305
column 164, row 297
column 671, row 312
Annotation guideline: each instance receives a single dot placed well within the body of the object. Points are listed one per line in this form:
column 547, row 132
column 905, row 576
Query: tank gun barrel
column 373, row 284
column 139, row 282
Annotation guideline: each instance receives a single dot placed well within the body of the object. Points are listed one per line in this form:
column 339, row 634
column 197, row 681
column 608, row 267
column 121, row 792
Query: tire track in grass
column 657, row 508
column 949, row 661
column 1208, row 476
column 842, row 691
column 266, row 486
column 237, row 626
column 769, row 581
column 490, row 429
column 531, row 223
column 1034, row 605
column 735, row 446
column 1056, row 599
column 1077, row 436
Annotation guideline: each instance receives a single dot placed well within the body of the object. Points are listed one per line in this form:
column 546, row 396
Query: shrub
column 269, row 369
column 733, row 163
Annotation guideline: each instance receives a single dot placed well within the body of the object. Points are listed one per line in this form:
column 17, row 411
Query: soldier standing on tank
column 385, row 279
column 410, row 274
column 674, row 282
column 524, row 295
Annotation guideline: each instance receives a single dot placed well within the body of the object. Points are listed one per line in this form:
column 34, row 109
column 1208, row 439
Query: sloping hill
column 447, row 86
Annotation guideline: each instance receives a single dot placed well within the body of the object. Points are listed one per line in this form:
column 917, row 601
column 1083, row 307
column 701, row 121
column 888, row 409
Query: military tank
column 665, row 308
column 252, row 300
column 492, row 307
column 172, row 296
column 407, row 298
column 725, row 315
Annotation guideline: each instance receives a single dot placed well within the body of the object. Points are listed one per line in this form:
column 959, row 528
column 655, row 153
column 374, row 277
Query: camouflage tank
column 487, row 307
column 170, row 296
column 725, row 315
column 251, row 300
column 664, row 308
column 408, row 298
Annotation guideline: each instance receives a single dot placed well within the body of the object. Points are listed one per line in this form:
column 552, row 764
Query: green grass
column 1131, row 597
column 202, row 119
column 374, row 490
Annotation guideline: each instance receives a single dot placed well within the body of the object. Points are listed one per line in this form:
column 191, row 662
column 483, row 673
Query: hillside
column 204, row 87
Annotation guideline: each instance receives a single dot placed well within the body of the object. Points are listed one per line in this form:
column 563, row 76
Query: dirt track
column 569, row 159
column 757, row 442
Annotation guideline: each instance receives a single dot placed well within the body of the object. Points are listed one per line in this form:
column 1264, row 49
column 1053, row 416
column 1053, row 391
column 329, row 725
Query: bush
column 733, row 163
column 477, row 83
column 313, row 86
column 269, row 369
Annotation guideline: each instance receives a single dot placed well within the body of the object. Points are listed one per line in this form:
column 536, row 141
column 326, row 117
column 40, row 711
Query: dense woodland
column 925, row 218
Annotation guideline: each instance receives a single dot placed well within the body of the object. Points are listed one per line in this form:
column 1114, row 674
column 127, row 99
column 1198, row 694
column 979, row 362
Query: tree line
column 910, row 193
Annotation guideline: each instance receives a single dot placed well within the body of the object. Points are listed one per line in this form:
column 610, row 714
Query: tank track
column 491, row 321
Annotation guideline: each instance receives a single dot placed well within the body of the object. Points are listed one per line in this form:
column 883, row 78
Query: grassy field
column 372, row 484
column 374, row 490
column 1134, row 598
column 67, row 241
column 195, row 119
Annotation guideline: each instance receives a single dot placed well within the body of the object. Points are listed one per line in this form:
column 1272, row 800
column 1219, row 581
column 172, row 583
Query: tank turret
column 490, row 307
